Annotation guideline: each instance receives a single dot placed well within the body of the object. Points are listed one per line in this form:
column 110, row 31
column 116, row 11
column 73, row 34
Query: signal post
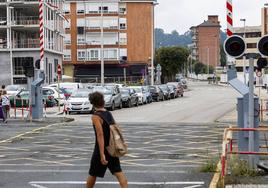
column 235, row 47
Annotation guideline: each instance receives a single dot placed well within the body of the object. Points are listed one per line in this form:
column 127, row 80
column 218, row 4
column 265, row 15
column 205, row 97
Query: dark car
column 22, row 99
column 156, row 93
column 165, row 90
column 129, row 97
column 173, row 91
column 179, row 87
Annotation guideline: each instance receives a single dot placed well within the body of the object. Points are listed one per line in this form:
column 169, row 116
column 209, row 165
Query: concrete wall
column 5, row 73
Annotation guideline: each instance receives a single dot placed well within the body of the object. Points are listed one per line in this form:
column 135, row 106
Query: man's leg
column 4, row 113
column 91, row 180
column 122, row 179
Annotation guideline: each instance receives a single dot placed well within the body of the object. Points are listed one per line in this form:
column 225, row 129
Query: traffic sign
column 259, row 73
column 59, row 69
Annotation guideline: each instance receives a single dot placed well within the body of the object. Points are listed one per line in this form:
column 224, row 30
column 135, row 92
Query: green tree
column 223, row 57
column 199, row 68
column 172, row 60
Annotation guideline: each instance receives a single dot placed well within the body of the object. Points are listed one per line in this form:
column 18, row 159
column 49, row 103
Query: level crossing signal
column 235, row 46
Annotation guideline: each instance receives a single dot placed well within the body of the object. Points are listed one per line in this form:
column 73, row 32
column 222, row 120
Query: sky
column 180, row 15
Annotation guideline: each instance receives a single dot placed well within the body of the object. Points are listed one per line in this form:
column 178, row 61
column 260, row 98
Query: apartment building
column 128, row 27
column 19, row 38
column 252, row 36
column 206, row 41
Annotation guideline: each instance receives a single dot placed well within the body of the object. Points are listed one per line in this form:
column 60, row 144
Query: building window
column 253, row 35
column 122, row 10
column 105, row 9
column 67, row 55
column 110, row 54
column 18, row 64
column 80, row 30
column 251, row 45
column 93, row 55
column 122, row 26
column 81, row 55
column 81, row 40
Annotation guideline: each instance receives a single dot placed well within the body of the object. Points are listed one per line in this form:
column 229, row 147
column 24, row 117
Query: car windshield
column 124, row 91
column 47, row 92
column 80, row 94
column 138, row 90
column 12, row 88
column 163, row 87
column 103, row 90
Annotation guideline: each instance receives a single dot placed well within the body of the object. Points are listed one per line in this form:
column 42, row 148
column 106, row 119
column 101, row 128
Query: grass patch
column 210, row 165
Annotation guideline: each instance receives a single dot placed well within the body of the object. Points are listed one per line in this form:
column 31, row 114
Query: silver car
column 112, row 96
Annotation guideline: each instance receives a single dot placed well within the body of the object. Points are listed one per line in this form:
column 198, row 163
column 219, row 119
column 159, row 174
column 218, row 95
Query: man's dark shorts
column 97, row 169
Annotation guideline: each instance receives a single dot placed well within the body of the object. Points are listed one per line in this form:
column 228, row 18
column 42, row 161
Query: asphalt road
column 168, row 142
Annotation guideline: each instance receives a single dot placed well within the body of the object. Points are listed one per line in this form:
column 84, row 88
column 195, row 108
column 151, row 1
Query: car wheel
column 129, row 103
column 120, row 105
column 137, row 103
column 112, row 107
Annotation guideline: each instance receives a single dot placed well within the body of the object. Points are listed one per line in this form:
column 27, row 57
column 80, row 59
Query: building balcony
column 26, row 20
column 26, row 43
column 3, row 21
column 105, row 29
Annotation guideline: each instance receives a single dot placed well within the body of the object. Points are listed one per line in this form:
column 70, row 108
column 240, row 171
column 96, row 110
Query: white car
column 140, row 93
column 13, row 90
column 79, row 102
column 57, row 94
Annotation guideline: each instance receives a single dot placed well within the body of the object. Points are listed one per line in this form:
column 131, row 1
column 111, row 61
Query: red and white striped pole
column 229, row 6
column 41, row 31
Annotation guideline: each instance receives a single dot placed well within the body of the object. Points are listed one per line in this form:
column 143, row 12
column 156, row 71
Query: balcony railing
column 104, row 12
column 3, row 21
column 26, row 20
column 26, row 43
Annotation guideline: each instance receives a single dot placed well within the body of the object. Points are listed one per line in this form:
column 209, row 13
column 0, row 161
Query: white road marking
column 37, row 183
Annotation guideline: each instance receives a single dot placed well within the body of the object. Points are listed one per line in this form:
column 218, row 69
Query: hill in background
column 163, row 39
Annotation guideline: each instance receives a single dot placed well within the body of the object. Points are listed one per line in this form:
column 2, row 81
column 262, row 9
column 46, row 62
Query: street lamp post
column 244, row 57
column 9, row 15
column 102, row 51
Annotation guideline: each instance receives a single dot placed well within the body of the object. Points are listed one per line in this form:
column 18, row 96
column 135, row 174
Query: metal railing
column 26, row 20
column 26, row 43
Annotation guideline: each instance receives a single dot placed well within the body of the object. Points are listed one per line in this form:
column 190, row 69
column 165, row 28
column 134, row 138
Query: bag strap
column 103, row 118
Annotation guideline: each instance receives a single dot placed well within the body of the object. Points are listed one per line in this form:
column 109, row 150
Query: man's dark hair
column 97, row 99
column 3, row 87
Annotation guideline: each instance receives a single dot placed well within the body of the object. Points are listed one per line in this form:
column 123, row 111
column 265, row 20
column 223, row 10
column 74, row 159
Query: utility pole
column 102, row 51
column 244, row 57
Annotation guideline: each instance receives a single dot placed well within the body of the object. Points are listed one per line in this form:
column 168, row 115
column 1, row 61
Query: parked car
column 22, row 99
column 13, row 90
column 68, row 85
column 79, row 102
column 129, row 97
column 140, row 93
column 157, row 93
column 165, row 90
column 112, row 96
column 173, row 91
column 148, row 94
column 57, row 94
column 179, row 88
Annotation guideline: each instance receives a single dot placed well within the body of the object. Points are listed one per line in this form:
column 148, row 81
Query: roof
column 248, row 29
column 209, row 24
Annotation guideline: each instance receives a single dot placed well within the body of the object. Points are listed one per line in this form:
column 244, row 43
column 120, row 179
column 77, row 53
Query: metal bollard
column 15, row 109
column 22, row 109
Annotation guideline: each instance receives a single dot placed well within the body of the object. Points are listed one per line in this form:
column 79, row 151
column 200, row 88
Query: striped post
column 229, row 6
column 41, row 31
